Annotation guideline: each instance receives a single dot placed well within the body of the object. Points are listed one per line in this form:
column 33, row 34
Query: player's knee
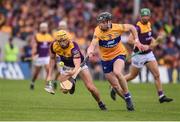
column 115, row 87
column 131, row 76
column 90, row 87
column 117, row 73
column 156, row 76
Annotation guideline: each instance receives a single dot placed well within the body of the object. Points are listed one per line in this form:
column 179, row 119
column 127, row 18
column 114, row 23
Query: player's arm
column 130, row 39
column 157, row 41
column 76, row 61
column 52, row 63
column 34, row 46
column 134, row 37
column 92, row 46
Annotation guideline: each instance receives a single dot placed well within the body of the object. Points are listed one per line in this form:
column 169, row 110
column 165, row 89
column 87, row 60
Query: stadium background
column 21, row 18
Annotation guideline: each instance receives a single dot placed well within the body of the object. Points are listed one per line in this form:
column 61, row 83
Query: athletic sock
column 160, row 94
column 127, row 97
column 100, row 103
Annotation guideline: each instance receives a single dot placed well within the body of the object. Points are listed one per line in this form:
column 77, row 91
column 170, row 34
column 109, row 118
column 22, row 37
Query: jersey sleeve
column 51, row 48
column 76, row 51
column 120, row 28
column 96, row 36
column 137, row 28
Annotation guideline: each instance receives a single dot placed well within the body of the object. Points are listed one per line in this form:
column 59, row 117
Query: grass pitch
column 17, row 102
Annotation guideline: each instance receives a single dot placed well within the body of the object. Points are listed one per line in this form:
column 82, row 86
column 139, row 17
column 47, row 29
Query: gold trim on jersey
column 144, row 28
column 44, row 37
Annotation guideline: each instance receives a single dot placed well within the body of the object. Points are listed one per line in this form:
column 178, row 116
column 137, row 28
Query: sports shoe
column 32, row 86
column 55, row 85
column 49, row 89
column 72, row 90
column 165, row 99
column 129, row 105
column 102, row 106
column 113, row 94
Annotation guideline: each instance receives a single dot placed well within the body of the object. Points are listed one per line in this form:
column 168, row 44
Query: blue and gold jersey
column 144, row 32
column 110, row 44
column 43, row 41
column 67, row 55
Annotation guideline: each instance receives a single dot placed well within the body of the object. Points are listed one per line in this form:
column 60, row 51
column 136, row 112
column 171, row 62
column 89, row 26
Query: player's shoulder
column 37, row 34
column 74, row 44
column 140, row 24
column 117, row 26
column 49, row 36
column 54, row 44
column 41, row 34
column 97, row 31
column 149, row 23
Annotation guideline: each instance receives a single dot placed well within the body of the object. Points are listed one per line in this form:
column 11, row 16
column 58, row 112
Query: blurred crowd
column 21, row 18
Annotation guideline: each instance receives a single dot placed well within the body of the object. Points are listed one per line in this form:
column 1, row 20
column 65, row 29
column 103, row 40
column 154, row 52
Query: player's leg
column 132, row 73
column 56, row 77
column 55, row 80
column 117, row 70
column 37, row 69
column 116, row 88
column 46, row 69
column 153, row 67
column 118, row 66
column 87, row 78
column 49, row 84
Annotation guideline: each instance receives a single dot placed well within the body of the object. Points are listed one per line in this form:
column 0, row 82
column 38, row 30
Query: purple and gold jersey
column 67, row 54
column 43, row 41
column 144, row 32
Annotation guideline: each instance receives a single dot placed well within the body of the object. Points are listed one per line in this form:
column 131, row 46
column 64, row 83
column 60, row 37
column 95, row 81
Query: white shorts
column 41, row 61
column 64, row 69
column 139, row 60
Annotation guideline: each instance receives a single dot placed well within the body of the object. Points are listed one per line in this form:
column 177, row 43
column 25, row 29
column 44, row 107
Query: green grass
column 17, row 102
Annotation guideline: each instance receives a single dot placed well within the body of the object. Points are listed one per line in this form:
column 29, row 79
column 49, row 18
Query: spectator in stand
column 11, row 51
column 171, row 58
column 24, row 16
column 26, row 52
column 6, row 28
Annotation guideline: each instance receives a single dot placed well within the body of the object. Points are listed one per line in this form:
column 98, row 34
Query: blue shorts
column 108, row 65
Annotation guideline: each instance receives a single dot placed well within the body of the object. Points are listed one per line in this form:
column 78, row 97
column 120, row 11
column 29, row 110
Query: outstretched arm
column 133, row 38
column 157, row 41
column 92, row 46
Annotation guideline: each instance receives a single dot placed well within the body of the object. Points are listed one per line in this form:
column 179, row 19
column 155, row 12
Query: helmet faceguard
column 62, row 37
column 104, row 16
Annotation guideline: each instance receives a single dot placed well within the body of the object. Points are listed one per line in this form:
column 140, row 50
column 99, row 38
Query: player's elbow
column 132, row 28
column 90, row 49
column 129, row 27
